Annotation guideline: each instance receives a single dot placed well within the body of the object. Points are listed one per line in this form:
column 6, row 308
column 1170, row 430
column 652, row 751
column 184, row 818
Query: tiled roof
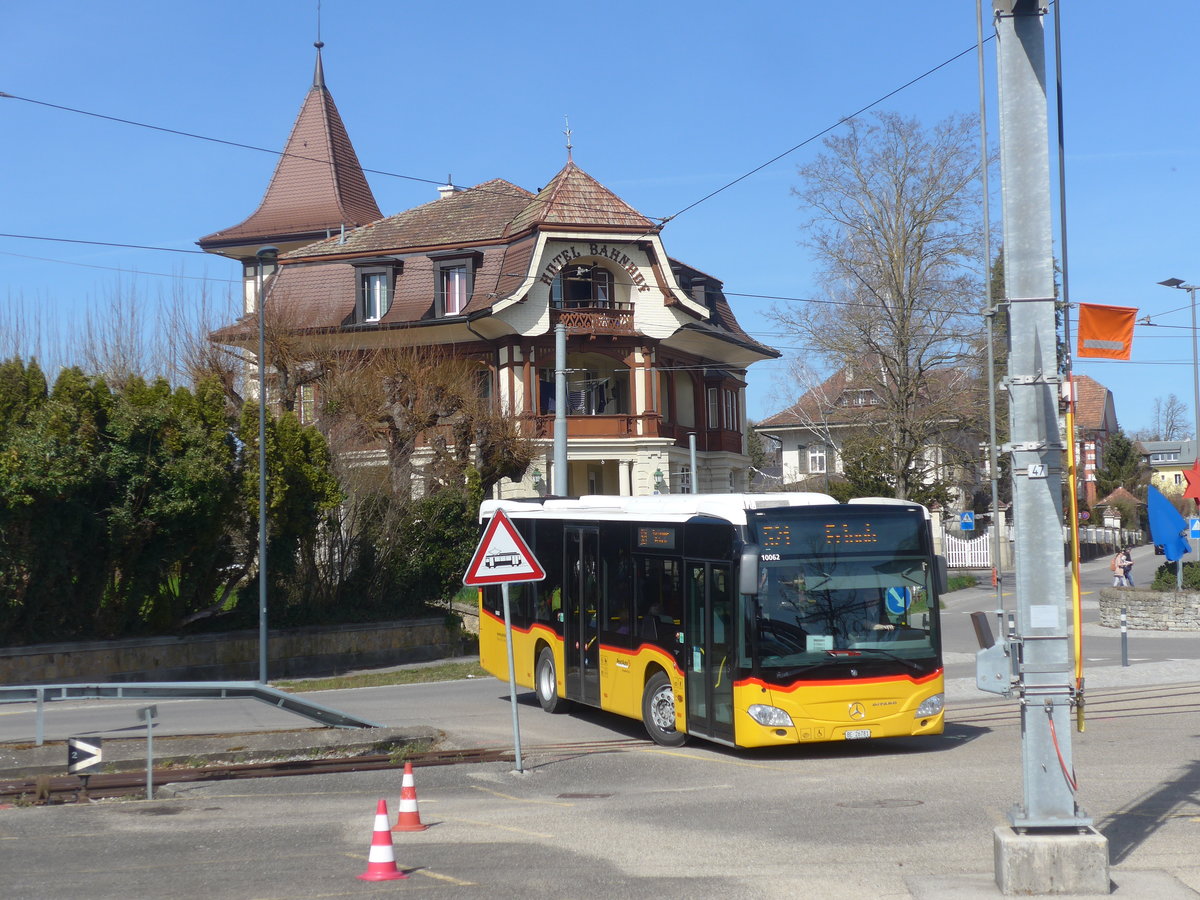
column 481, row 213
column 574, row 198
column 318, row 183
column 824, row 403
column 1120, row 494
column 1091, row 403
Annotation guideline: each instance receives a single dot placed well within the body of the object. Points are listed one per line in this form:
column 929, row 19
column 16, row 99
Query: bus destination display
column 657, row 538
column 852, row 532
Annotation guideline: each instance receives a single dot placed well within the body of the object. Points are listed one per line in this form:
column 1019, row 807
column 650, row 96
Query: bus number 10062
column 770, row 557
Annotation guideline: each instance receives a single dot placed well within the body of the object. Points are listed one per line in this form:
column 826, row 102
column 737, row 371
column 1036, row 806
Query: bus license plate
column 856, row 734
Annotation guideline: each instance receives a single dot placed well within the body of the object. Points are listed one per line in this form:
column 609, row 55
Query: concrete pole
column 695, row 471
column 264, row 254
column 561, row 482
column 1042, row 638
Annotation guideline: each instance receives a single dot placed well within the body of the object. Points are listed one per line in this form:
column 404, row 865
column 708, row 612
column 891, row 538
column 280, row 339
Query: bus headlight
column 931, row 706
column 771, row 716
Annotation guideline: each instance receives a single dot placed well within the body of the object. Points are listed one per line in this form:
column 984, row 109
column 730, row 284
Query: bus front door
column 581, row 600
column 710, row 651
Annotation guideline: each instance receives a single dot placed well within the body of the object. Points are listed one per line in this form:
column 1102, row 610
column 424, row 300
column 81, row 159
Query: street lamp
column 1191, row 289
column 263, row 256
column 1179, row 284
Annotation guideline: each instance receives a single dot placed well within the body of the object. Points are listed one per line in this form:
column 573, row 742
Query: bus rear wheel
column 546, row 680
column 658, row 711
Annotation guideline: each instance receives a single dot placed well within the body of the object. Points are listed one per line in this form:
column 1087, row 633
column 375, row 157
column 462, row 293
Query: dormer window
column 453, row 289
column 577, row 286
column 376, row 287
column 376, row 296
column 453, row 280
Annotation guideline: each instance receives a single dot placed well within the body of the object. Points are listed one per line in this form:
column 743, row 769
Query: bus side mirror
column 748, row 573
column 941, row 573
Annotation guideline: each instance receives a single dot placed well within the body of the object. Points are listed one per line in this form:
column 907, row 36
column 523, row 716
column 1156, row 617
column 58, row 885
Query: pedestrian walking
column 1127, row 567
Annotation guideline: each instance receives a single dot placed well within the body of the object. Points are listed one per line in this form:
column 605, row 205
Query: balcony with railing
column 594, row 320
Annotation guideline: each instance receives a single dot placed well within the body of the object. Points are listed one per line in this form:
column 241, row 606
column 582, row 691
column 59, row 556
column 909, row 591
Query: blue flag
column 1167, row 527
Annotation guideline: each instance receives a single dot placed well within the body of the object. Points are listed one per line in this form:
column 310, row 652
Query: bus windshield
column 842, row 590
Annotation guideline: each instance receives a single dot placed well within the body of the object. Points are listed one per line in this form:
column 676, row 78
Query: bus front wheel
column 547, row 683
column 658, row 711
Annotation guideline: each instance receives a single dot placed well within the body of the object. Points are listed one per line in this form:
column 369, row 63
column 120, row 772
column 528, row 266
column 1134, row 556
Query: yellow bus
column 752, row 620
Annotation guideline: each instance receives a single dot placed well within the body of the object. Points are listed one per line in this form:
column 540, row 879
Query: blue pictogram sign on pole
column 966, row 521
column 897, row 600
column 1194, row 527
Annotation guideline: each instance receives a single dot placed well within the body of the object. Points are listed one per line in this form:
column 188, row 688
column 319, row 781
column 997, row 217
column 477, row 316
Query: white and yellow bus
column 752, row 620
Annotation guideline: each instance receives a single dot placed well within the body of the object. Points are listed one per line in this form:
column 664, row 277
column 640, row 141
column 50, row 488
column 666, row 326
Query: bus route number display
column 657, row 538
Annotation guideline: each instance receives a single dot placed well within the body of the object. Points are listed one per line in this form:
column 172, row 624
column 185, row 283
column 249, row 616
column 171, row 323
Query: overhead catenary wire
column 662, row 220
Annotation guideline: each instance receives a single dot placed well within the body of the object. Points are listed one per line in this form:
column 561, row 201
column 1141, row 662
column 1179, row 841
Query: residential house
column 1167, row 461
column 655, row 356
column 813, row 431
column 1095, row 423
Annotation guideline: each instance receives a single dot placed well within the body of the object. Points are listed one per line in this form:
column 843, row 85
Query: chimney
column 445, row 190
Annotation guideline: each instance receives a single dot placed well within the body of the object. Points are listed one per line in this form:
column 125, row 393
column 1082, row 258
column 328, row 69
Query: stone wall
column 233, row 656
column 1150, row 610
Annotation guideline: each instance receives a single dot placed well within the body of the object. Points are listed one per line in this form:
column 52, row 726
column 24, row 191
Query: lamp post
column 1179, row 284
column 263, row 255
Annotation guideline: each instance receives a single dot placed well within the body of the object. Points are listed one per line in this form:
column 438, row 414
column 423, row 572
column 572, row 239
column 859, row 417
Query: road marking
column 501, row 827
column 440, row 877
column 728, row 762
column 519, row 799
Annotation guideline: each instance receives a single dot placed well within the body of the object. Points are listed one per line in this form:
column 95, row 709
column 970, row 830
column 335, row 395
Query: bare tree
column 896, row 228
column 408, row 397
column 1170, row 419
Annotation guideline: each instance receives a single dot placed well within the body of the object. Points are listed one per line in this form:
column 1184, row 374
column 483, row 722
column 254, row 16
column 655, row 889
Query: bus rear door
column 581, row 596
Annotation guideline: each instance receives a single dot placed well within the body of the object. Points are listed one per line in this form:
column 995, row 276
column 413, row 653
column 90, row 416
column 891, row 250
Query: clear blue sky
column 667, row 101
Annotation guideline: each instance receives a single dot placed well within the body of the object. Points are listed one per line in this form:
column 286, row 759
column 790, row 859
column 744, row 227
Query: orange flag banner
column 1105, row 332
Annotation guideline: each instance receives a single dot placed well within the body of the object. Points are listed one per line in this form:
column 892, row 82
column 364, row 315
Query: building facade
column 655, row 358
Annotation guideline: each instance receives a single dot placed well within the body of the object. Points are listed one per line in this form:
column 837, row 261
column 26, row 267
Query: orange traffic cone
column 409, row 818
column 381, row 861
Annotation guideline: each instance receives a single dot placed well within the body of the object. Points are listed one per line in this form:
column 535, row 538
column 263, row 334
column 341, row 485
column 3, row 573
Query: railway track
column 55, row 789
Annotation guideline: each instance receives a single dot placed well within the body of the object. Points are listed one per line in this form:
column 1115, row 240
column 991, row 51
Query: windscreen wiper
column 908, row 663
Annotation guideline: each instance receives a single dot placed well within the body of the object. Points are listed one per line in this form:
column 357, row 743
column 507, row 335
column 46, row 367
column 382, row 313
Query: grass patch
column 958, row 582
column 417, row 675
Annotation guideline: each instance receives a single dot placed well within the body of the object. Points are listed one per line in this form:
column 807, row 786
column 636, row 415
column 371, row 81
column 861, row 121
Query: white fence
column 975, row 553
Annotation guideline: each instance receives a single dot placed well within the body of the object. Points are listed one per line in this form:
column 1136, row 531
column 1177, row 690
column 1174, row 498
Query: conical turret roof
column 318, row 186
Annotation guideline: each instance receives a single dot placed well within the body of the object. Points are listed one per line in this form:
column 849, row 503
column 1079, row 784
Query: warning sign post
column 504, row 558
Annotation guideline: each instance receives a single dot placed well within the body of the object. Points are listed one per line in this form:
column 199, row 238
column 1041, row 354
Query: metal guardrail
column 177, row 690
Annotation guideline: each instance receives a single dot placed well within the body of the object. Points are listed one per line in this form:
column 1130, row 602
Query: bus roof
column 663, row 507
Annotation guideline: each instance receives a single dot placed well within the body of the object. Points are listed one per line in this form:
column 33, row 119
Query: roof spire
column 319, row 74
column 568, row 133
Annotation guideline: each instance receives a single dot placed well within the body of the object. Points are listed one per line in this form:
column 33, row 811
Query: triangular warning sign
column 502, row 556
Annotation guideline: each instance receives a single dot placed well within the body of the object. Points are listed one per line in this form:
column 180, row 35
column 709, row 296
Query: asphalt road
column 621, row 817
column 890, row 818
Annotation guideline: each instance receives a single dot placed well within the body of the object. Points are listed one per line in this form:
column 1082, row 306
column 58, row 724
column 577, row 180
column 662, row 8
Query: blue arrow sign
column 897, row 600
column 966, row 521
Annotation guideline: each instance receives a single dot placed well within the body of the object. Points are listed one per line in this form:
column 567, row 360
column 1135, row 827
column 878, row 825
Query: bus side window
column 659, row 600
column 520, row 601
column 548, row 548
column 616, row 596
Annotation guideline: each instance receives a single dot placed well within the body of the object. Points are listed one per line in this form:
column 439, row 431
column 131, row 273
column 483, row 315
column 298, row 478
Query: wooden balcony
column 601, row 426
column 594, row 320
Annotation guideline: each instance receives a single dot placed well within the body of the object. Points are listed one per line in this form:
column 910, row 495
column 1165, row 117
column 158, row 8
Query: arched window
column 577, row 286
